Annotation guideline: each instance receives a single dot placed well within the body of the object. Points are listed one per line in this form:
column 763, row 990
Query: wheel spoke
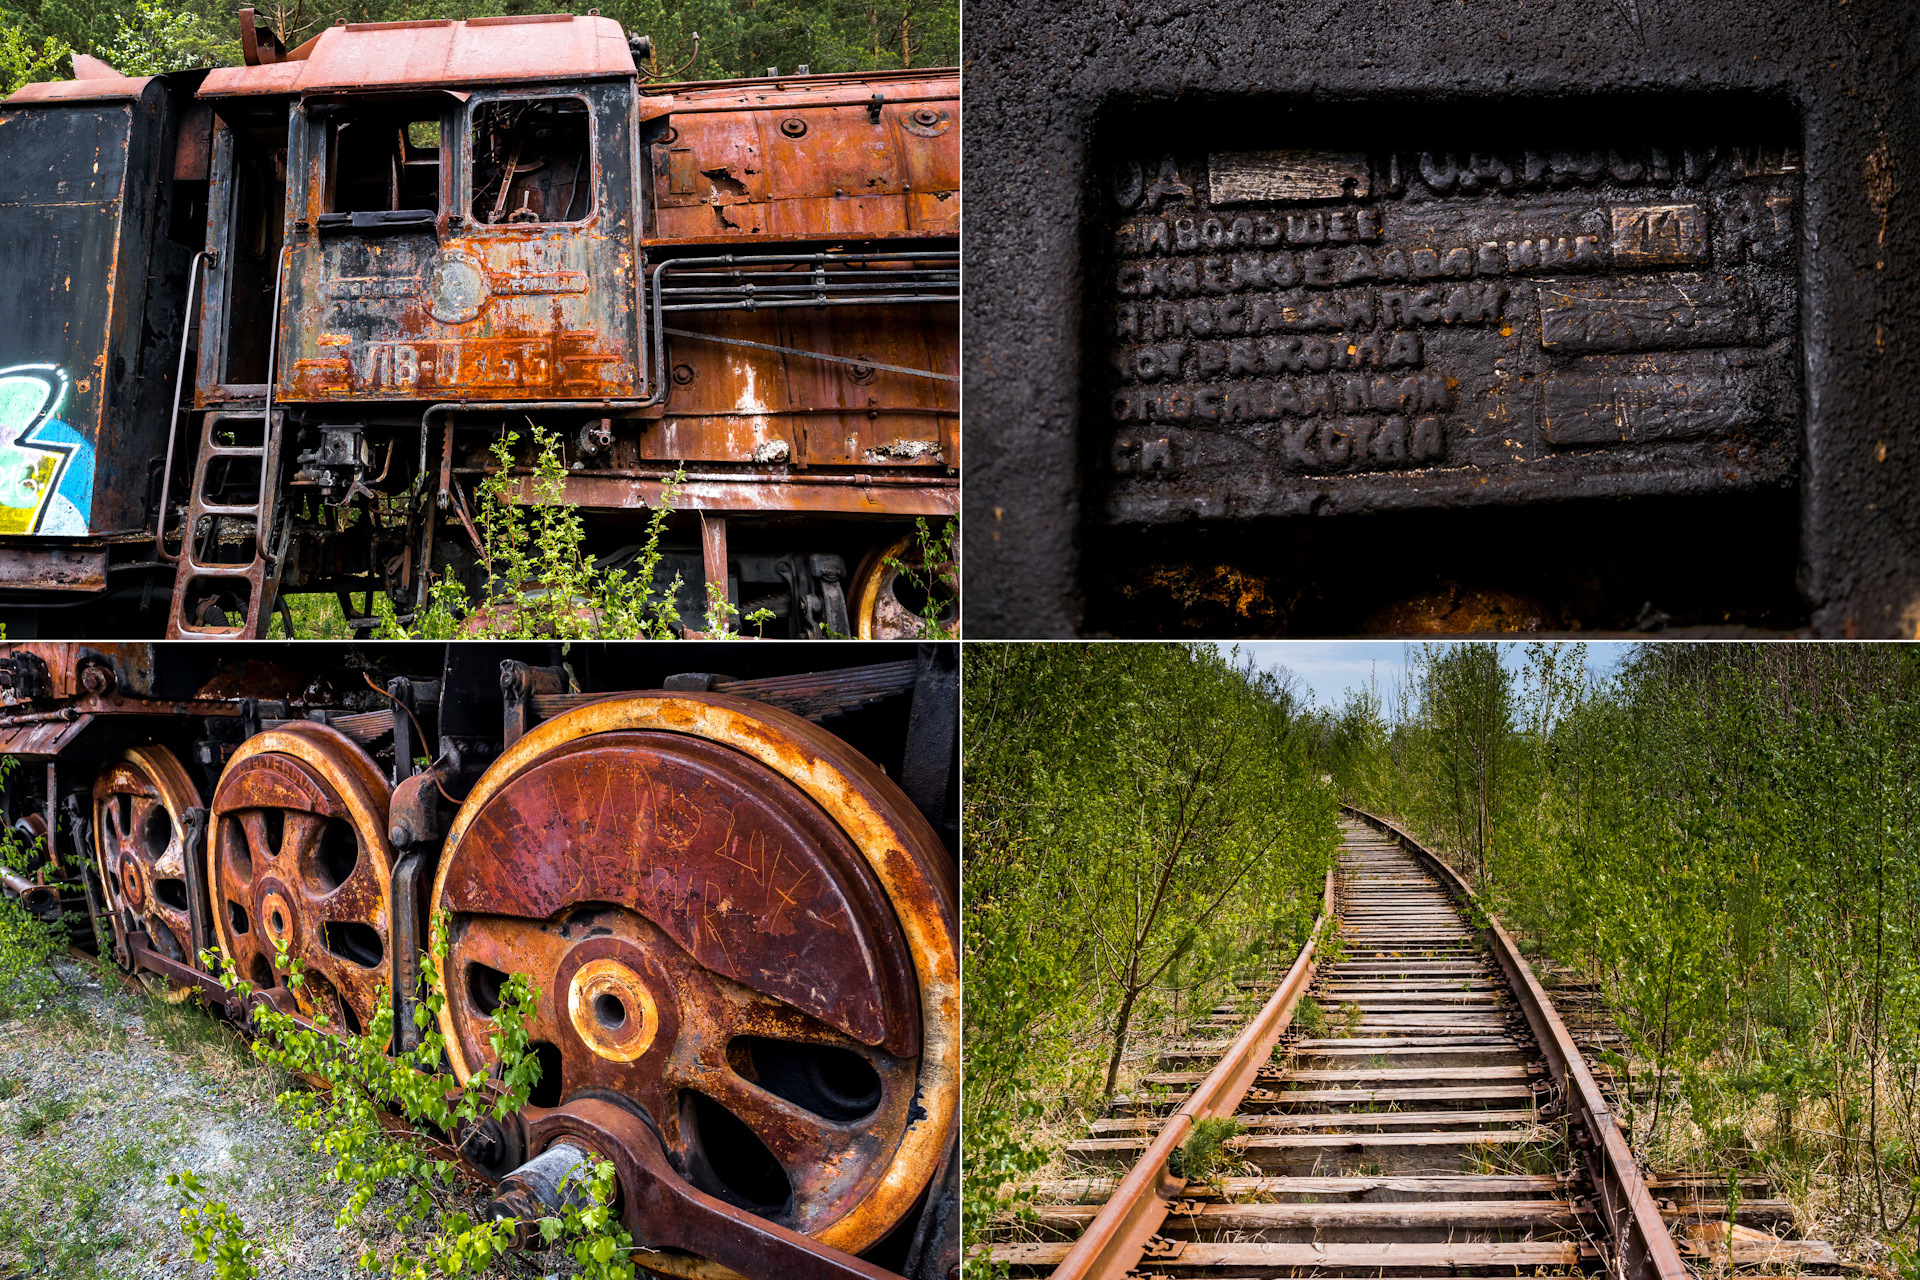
column 299, row 836
column 507, row 948
column 736, row 1010
column 355, row 898
column 807, row 1146
column 132, row 840
column 253, row 828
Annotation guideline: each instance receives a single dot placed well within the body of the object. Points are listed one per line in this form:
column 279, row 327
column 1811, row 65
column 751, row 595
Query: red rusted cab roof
column 124, row 89
column 94, row 81
column 439, row 53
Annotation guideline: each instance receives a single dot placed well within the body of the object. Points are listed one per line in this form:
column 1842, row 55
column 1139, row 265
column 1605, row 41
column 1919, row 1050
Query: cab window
column 532, row 161
column 383, row 159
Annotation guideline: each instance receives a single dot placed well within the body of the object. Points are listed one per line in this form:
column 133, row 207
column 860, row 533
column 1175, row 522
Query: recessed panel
column 1479, row 314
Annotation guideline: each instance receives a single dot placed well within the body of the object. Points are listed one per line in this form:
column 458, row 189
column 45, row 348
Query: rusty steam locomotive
column 743, row 921
column 264, row 323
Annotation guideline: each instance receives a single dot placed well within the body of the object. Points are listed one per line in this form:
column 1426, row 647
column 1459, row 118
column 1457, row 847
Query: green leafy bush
column 361, row 1084
column 538, row 581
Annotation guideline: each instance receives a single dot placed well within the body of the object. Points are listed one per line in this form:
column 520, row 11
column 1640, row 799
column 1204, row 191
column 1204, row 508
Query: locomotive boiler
column 735, row 892
column 265, row 325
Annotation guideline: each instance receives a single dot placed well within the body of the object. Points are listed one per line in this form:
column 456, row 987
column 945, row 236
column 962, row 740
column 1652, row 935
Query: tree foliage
column 736, row 37
column 1727, row 838
column 1142, row 824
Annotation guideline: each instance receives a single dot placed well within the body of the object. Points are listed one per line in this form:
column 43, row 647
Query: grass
column 1311, row 1019
column 1351, row 1016
column 211, row 1048
column 59, row 1219
column 10, row 1087
column 37, row 1115
column 316, row 616
column 1204, row 1153
column 1513, row 1157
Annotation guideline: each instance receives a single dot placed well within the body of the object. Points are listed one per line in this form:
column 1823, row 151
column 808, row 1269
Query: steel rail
column 1116, row 1240
column 1643, row 1248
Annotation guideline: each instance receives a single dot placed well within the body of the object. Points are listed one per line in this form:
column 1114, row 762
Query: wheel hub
column 612, row 1010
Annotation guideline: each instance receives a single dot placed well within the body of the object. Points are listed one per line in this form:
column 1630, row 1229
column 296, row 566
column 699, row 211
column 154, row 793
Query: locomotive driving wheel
column 737, row 924
column 299, row 862
column 140, row 806
column 889, row 604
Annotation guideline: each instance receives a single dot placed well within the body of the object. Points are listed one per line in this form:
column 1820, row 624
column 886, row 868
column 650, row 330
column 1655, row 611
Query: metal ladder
column 257, row 581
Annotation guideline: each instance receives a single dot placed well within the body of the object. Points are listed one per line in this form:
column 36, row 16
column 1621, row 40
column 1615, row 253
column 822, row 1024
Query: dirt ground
column 104, row 1092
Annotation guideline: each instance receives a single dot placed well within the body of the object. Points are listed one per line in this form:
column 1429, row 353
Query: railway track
column 1437, row 1119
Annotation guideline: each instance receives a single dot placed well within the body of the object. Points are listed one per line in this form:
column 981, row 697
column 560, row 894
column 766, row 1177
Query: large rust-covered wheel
column 140, row 805
column 736, row 922
column 299, row 855
column 887, row 604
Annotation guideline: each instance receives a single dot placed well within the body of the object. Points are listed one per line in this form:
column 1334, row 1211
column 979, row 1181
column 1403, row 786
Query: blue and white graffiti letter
column 46, row 467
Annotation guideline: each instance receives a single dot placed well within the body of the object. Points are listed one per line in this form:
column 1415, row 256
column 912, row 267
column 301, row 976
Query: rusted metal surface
column 735, row 911
column 299, row 859
column 54, row 568
column 1115, row 1242
column 43, row 738
column 140, row 807
column 732, row 336
column 91, row 672
column 1637, row 1235
column 664, row 1212
column 857, row 494
column 468, row 300
column 438, row 53
column 857, row 159
column 680, row 992
column 454, row 221
column 1358, row 330
column 768, row 965
column 142, row 954
column 889, row 604
column 810, row 157
column 90, row 89
column 813, row 696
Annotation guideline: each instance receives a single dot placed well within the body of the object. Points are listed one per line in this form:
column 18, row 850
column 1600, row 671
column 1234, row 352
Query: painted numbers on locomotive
column 449, row 250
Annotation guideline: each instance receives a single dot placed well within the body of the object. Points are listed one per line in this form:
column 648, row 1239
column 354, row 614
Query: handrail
column 1116, row 1240
column 187, row 327
column 1644, row 1248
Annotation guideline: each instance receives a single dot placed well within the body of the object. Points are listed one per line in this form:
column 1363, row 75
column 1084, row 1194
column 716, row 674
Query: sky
column 1328, row 668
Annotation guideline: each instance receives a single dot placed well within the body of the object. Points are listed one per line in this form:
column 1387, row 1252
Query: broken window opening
column 259, row 182
column 384, row 159
column 532, row 161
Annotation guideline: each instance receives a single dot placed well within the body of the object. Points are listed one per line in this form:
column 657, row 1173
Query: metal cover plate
column 1283, row 331
column 42, row 738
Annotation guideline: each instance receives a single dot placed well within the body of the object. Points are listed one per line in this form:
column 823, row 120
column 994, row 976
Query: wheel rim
column 139, row 808
column 879, row 612
column 625, row 855
column 299, row 855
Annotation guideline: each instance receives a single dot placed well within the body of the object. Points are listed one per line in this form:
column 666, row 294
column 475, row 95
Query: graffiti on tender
column 46, row 467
